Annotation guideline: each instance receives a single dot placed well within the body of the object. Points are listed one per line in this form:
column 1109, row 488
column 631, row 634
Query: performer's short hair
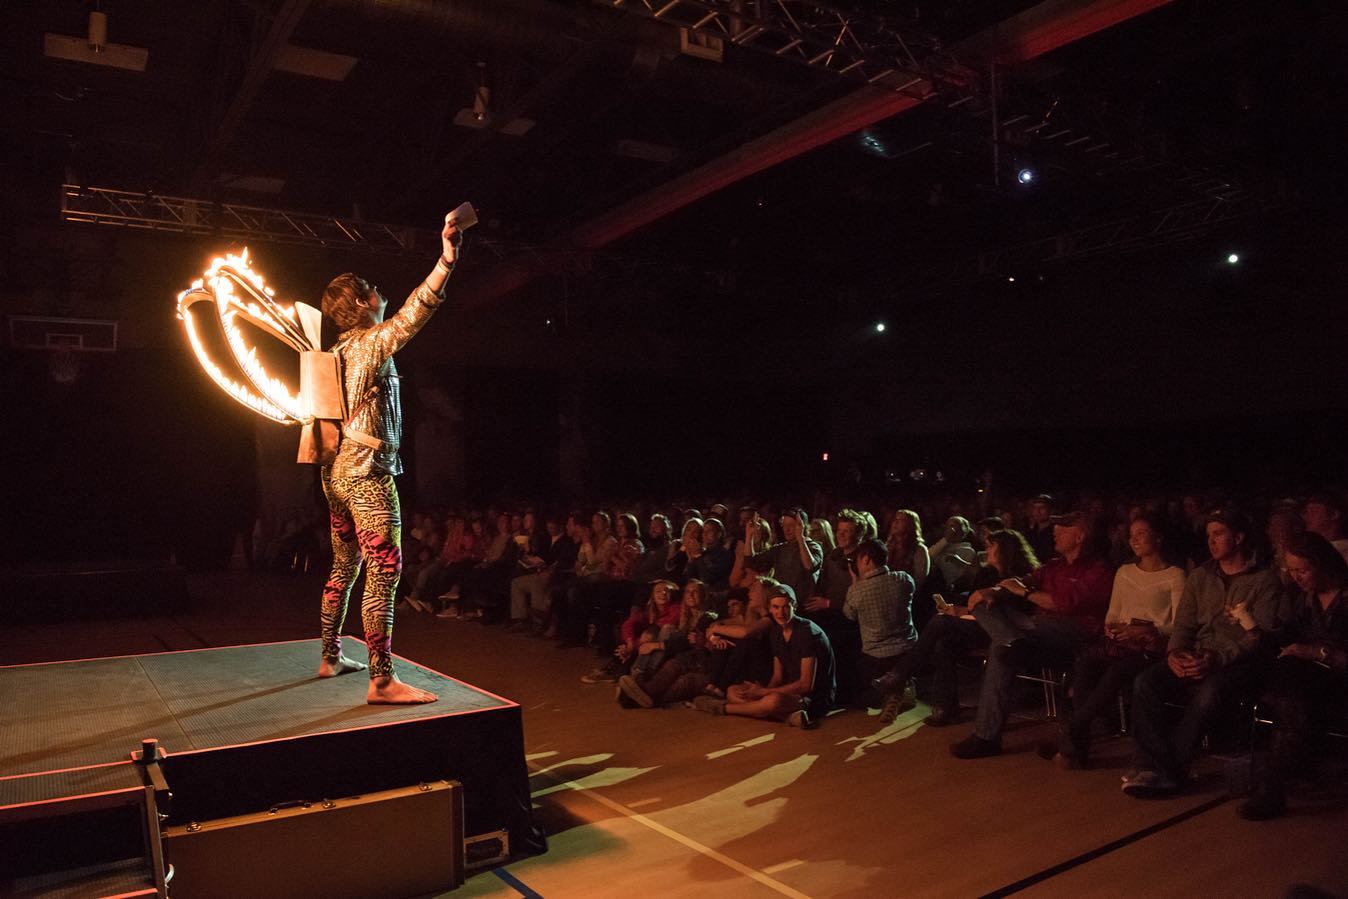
column 344, row 301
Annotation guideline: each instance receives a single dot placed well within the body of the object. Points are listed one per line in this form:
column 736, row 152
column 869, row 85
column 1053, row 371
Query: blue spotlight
column 1233, row 258
column 1025, row 176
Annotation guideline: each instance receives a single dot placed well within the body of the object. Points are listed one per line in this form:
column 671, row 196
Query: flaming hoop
column 237, row 293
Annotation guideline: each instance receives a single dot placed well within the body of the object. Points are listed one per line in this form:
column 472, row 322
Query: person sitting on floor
column 801, row 689
column 743, row 636
column 881, row 602
column 643, row 625
column 953, row 632
column 1140, row 617
column 1049, row 617
column 653, row 644
column 1229, row 604
column 689, row 669
column 1309, row 681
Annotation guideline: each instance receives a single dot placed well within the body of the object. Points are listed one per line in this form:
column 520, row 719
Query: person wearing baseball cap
column 803, row 685
column 1050, row 616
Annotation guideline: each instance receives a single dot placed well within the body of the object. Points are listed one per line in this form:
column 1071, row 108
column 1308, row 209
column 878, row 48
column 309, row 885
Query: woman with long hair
column 952, row 633
column 1141, row 613
column 822, row 532
column 1309, row 680
column 907, row 549
column 686, row 548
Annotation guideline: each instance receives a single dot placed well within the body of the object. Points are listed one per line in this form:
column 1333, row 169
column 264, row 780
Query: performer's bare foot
column 388, row 690
column 342, row 665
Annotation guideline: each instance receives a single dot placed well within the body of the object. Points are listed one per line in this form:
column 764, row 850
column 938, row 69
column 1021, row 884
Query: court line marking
column 1112, row 846
column 689, row 842
column 516, row 884
column 641, row 802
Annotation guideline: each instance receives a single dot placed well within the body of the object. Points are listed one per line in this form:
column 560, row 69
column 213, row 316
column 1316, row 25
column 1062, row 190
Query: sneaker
column 975, row 747
column 451, row 596
column 801, row 718
column 628, row 686
column 1149, row 784
column 709, row 704
column 447, row 612
column 623, row 699
column 599, row 676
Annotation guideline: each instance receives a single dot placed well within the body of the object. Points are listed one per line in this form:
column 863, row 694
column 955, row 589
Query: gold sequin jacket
column 370, row 380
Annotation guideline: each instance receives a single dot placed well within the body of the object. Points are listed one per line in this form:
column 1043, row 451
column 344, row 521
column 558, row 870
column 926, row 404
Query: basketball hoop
column 64, row 363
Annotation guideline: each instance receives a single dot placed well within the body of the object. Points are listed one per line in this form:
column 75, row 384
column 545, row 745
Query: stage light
column 879, row 327
column 1011, row 279
column 1233, row 258
column 824, row 457
column 1025, row 176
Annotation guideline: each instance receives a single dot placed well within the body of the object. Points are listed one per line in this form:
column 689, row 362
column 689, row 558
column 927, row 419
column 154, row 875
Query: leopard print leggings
column 366, row 523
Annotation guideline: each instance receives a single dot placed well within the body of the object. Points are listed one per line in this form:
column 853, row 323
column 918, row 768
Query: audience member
column 710, row 562
column 881, row 602
column 1229, row 604
column 794, row 561
column 954, row 631
column 954, row 556
column 689, row 669
column 907, row 549
column 1140, row 618
column 1307, row 684
column 1323, row 515
column 801, row 689
column 531, row 593
column 1039, row 531
column 1047, row 617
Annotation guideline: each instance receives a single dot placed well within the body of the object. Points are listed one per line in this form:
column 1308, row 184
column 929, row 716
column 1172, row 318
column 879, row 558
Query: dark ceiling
column 1200, row 98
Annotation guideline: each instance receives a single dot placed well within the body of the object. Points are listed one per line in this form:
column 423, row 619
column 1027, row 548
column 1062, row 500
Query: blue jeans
column 1169, row 749
column 1054, row 639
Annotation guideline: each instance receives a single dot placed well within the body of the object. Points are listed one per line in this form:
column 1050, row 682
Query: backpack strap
column 361, row 437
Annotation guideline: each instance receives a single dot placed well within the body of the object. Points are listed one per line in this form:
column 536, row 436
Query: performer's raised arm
column 424, row 299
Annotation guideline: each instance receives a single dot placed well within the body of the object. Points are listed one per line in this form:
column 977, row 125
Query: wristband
column 444, row 263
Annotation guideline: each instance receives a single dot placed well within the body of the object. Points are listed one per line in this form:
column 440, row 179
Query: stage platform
column 245, row 728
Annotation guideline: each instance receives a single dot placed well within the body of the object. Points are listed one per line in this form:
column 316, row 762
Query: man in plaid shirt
column 880, row 601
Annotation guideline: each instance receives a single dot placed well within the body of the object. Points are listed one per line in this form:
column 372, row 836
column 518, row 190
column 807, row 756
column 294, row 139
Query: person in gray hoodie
column 1230, row 609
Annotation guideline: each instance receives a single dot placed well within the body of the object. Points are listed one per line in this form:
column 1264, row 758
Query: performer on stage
column 362, row 498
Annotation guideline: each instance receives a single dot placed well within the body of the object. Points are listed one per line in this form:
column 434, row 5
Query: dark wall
column 138, row 457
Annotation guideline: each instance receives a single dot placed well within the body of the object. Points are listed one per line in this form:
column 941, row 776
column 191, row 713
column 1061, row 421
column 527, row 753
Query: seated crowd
column 1192, row 619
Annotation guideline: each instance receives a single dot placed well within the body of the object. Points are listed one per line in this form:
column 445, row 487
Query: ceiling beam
column 1034, row 32
column 259, row 67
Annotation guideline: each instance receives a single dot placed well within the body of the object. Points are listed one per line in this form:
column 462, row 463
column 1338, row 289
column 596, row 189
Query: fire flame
column 223, row 282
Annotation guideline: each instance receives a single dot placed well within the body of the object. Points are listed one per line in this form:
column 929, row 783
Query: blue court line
column 516, row 884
